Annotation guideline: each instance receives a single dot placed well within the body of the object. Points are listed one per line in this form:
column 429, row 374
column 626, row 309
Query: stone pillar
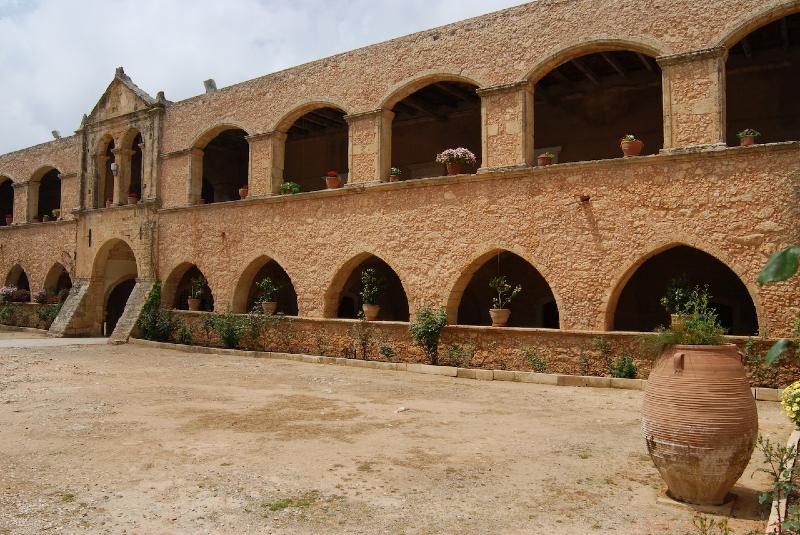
column 369, row 154
column 194, row 186
column 122, row 180
column 693, row 93
column 506, row 126
column 265, row 173
column 20, row 202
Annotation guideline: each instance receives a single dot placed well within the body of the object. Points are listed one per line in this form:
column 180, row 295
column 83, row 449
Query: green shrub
column 536, row 362
column 184, row 335
column 47, row 313
column 229, row 327
column 426, row 330
column 155, row 323
column 460, row 356
column 387, row 352
column 624, row 368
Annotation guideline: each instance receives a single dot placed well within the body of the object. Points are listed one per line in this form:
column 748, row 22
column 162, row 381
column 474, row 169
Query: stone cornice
column 362, row 114
column 503, row 88
column 260, row 136
column 695, row 55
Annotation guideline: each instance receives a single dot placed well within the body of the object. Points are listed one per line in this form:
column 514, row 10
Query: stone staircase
column 70, row 310
column 127, row 323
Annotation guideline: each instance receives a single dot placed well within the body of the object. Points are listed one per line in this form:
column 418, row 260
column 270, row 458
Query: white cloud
column 57, row 57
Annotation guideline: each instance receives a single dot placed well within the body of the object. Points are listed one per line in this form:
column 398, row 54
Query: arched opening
column 638, row 307
column 57, row 283
column 439, row 116
column 762, row 76
column 535, row 306
column 315, row 144
column 18, row 278
column 345, row 299
column 49, row 195
column 226, row 160
column 583, row 107
column 115, row 304
column 6, row 201
column 135, row 185
column 247, row 295
column 114, row 264
column 106, row 171
column 178, row 288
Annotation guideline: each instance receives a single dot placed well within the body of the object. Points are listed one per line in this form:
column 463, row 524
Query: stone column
column 194, row 186
column 265, row 173
column 693, row 93
column 506, row 126
column 369, row 154
column 122, row 180
column 20, row 202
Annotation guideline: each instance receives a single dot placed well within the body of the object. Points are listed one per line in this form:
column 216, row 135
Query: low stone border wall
column 26, row 315
column 553, row 379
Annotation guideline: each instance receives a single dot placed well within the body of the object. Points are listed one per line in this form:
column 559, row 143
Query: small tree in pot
column 268, row 290
column 505, row 294
column 196, row 290
column 372, row 286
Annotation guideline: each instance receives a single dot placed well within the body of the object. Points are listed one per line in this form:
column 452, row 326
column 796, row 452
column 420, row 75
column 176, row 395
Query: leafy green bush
column 229, row 327
column 155, row 323
column 184, row 335
column 535, row 361
column 624, row 368
column 460, row 356
column 372, row 286
column 387, row 352
column 426, row 330
column 47, row 313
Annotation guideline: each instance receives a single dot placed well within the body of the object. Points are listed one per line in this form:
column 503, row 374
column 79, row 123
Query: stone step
column 127, row 322
column 72, row 308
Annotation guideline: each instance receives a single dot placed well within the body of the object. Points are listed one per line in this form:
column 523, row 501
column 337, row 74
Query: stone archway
column 342, row 299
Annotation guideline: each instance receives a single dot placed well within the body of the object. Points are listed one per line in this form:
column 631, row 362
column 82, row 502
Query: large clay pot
column 194, row 304
column 454, row 168
column 746, row 141
column 699, row 421
column 632, row 148
column 499, row 316
column 371, row 311
column 269, row 307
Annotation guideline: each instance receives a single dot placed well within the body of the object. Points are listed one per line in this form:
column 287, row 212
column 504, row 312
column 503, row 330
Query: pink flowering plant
column 6, row 292
column 457, row 155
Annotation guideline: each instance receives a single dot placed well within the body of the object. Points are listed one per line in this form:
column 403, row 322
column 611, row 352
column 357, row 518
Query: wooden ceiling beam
column 616, row 65
column 586, row 71
column 748, row 50
column 645, row 61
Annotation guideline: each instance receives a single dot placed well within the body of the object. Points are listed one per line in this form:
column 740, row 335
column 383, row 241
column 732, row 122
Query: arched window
column 179, row 284
column 638, row 307
column 762, row 80
column 226, row 160
column 344, row 296
column 47, row 195
column 247, row 295
column 18, row 278
column 57, row 283
column 534, row 306
column 6, row 201
column 583, row 107
column 439, row 116
column 315, row 144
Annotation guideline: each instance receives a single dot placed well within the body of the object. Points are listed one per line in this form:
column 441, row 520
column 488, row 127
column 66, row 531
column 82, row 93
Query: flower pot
column 269, row 307
column 394, row 178
column 131, row 199
column 243, row 193
column 333, row 182
column 499, row 316
column 631, row 148
column 676, row 320
column 746, row 141
column 543, row 160
column 9, row 219
column 45, row 218
column 108, row 203
column 699, row 421
column 454, row 168
column 194, row 304
column 201, row 201
column 371, row 311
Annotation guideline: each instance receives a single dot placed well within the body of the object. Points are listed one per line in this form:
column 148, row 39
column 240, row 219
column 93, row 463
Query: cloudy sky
column 58, row 56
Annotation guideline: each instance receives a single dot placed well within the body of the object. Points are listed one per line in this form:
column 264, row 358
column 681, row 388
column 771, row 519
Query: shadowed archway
column 246, row 293
column 343, row 300
column 178, row 285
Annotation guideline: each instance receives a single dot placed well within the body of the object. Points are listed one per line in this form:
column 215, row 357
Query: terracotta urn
column 632, row 148
column 371, row 311
column 9, row 219
column 699, row 421
column 269, row 307
column 194, row 304
column 499, row 316
column 543, row 160
column 455, row 168
column 243, row 192
column 746, row 141
column 333, row 182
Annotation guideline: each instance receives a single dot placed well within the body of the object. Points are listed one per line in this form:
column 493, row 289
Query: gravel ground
column 127, row 439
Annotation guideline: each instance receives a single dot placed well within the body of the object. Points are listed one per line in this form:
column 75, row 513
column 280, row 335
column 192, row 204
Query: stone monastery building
column 593, row 239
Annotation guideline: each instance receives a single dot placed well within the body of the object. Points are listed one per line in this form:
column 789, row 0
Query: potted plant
column 545, row 158
column 40, row 297
column 132, row 197
column 674, row 299
column 289, row 188
column 56, row 214
column 372, row 286
column 456, row 160
column 195, row 293
column 699, row 417
column 332, row 180
column 394, row 174
column 747, row 137
column 201, row 201
column 9, row 219
column 630, row 145
column 243, row 191
column 45, row 218
column 505, row 294
column 268, row 290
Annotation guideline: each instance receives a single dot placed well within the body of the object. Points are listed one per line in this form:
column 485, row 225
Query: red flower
column 332, row 173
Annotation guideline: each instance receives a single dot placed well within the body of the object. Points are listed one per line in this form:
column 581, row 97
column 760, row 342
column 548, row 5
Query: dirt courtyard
column 127, row 439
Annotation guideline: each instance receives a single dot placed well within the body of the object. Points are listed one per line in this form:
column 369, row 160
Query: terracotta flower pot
column 201, row 201
column 631, row 148
column 269, row 307
column 9, row 219
column 394, row 178
column 108, row 203
column 499, row 316
column 194, row 304
column 543, row 160
column 371, row 311
column 745, row 141
column 333, row 182
column 699, row 421
column 454, row 168
column 132, row 199
column 243, row 193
